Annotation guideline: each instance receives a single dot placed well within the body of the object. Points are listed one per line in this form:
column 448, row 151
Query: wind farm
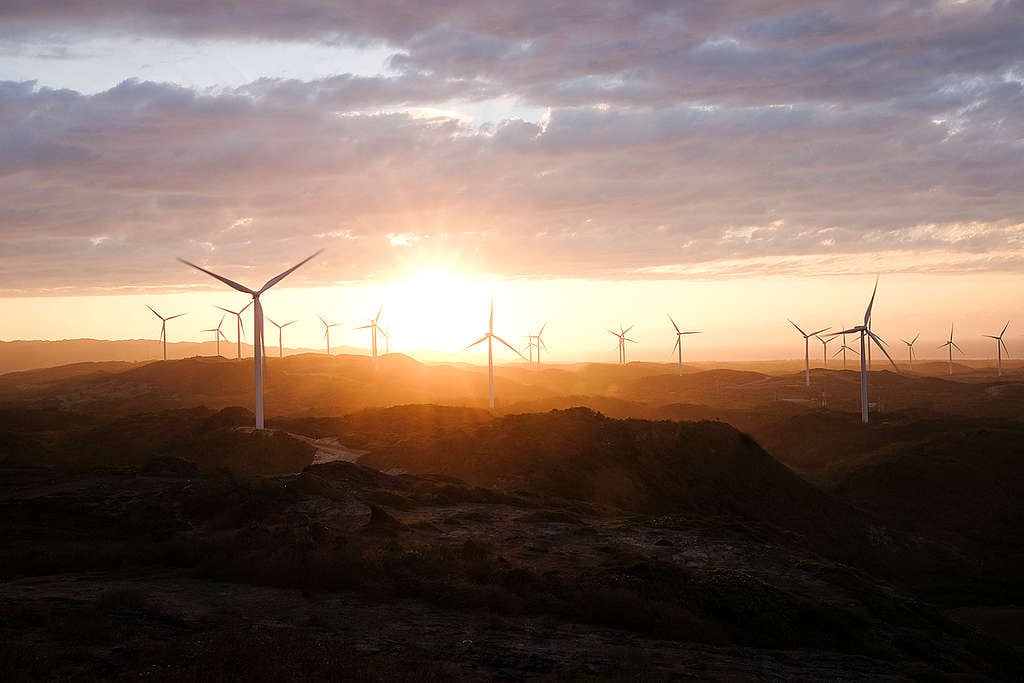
column 570, row 496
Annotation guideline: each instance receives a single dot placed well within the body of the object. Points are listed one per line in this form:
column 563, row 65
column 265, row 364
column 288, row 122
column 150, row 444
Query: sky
column 589, row 165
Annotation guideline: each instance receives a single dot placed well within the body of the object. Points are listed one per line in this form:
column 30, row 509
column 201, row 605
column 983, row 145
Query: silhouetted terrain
column 726, row 526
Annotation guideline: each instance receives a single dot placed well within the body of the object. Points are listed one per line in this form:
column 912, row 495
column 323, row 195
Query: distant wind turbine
column 843, row 349
column 280, row 335
column 489, row 337
column 239, row 325
column 1000, row 347
column 163, row 326
column 951, row 345
column 257, row 323
column 537, row 341
column 824, row 347
column 679, row 343
column 217, row 333
column 866, row 338
column 807, row 348
column 327, row 332
column 910, row 349
column 621, row 334
column 375, row 329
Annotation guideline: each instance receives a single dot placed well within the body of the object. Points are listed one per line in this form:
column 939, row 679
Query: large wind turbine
column 163, row 326
column 257, row 323
column 621, row 334
column 537, row 340
column 375, row 329
column 239, row 325
column 1000, row 347
column 489, row 337
column 824, row 347
column 951, row 345
column 910, row 349
column 807, row 348
column 843, row 349
column 217, row 333
column 280, row 335
column 327, row 331
column 867, row 336
column 679, row 343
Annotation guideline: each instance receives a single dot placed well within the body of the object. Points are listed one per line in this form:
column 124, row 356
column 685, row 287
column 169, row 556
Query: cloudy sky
column 732, row 162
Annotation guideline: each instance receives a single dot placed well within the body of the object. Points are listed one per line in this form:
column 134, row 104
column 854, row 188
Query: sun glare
column 430, row 310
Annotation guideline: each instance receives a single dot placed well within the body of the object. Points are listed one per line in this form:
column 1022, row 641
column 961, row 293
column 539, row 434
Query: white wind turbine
column 824, row 347
column 679, row 343
column 843, row 349
column 375, row 329
column 951, row 345
column 280, row 335
column 1000, row 347
column 239, row 325
column 807, row 348
column 537, row 341
column 257, row 324
column 217, row 334
column 163, row 326
column 910, row 349
column 867, row 337
column 327, row 331
column 489, row 336
column 621, row 334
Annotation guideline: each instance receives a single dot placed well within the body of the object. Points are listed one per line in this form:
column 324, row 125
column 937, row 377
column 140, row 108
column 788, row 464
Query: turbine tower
column 621, row 334
column 807, row 348
column 537, row 341
column 257, row 323
column 239, row 325
column 489, row 337
column 1000, row 347
column 163, row 326
column 217, row 333
column 867, row 337
column 952, row 345
column 843, row 349
column 910, row 349
column 679, row 343
column 280, row 335
column 327, row 331
column 375, row 329
column 825, row 341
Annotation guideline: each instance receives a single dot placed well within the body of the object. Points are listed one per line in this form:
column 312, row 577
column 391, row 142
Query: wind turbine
column 280, row 335
column 867, row 336
column 537, row 340
column 374, row 328
column 952, row 345
column 327, row 331
column 679, row 343
column 163, row 326
column 843, row 349
column 239, row 325
column 621, row 334
column 489, row 337
column 824, row 347
column 807, row 348
column 217, row 333
column 257, row 323
column 910, row 349
column 1000, row 347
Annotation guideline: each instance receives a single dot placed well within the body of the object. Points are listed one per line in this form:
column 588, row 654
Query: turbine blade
column 674, row 324
column 957, row 348
column 176, row 316
column 288, row 323
column 271, row 320
column 820, row 331
column 1004, row 329
column 838, row 351
column 490, row 320
column 1005, row 350
column 364, row 327
column 675, row 346
column 915, row 338
column 228, row 311
column 154, row 312
column 852, row 330
column 796, row 326
column 616, row 334
column 322, row 320
column 274, row 280
column 873, row 337
column 229, row 283
column 630, row 340
column 626, row 331
column 380, row 309
column 541, row 332
column 867, row 313
column 542, row 344
column 483, row 338
column 512, row 348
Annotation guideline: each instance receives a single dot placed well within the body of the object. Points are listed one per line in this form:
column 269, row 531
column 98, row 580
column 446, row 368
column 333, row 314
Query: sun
column 433, row 308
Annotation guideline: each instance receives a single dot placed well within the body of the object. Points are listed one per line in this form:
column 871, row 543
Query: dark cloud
column 678, row 134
